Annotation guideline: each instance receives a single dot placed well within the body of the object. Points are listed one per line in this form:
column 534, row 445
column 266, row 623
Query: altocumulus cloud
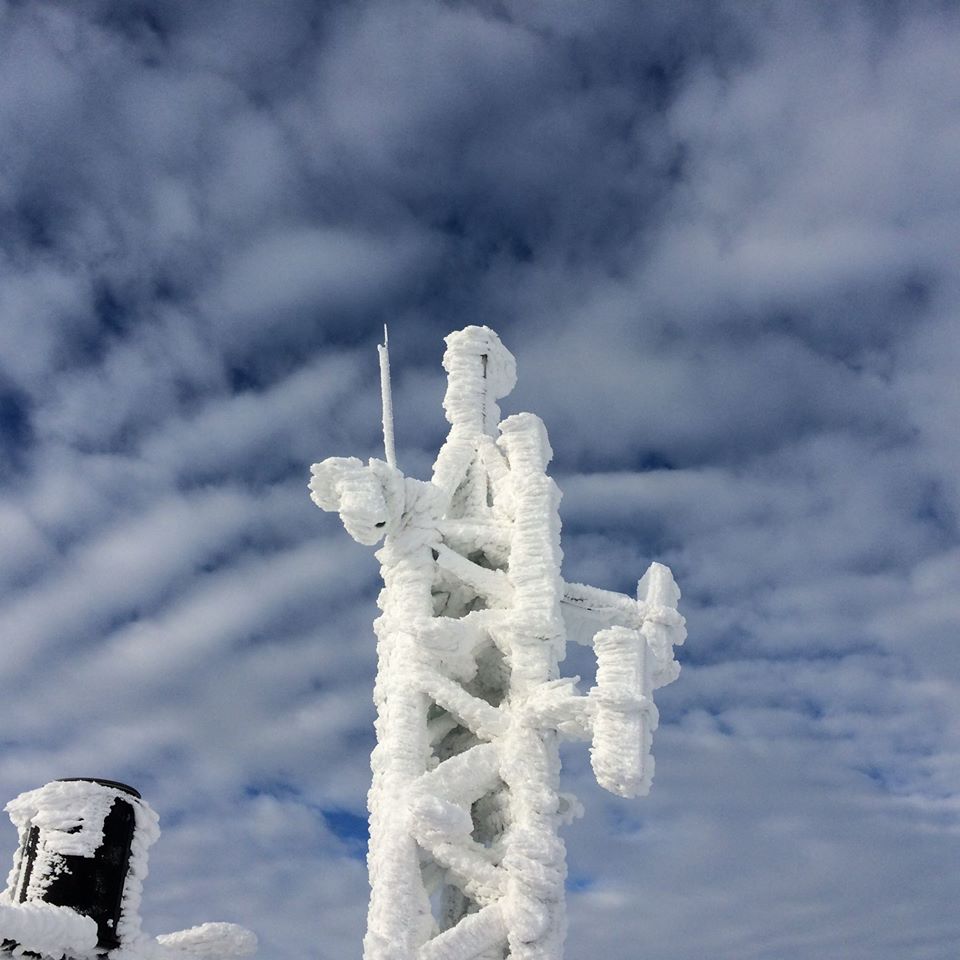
column 721, row 241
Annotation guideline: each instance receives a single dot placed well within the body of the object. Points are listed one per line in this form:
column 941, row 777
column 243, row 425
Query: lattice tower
column 465, row 857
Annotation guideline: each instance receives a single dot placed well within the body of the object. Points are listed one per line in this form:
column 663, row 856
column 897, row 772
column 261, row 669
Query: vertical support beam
column 399, row 920
column 535, row 856
column 480, row 370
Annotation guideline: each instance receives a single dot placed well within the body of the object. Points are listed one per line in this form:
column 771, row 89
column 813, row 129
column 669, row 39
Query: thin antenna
column 386, row 397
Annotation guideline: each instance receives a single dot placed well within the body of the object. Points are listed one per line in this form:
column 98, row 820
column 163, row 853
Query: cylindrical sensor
column 625, row 716
column 83, row 846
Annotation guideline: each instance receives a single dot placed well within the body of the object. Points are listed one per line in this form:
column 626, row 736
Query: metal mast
column 465, row 856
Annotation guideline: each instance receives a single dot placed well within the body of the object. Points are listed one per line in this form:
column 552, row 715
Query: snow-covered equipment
column 465, row 858
column 77, row 878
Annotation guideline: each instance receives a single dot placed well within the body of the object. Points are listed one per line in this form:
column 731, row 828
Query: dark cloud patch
column 16, row 433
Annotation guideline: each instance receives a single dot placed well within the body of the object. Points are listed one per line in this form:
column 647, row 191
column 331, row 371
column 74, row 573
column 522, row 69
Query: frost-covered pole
column 465, row 856
column 386, row 399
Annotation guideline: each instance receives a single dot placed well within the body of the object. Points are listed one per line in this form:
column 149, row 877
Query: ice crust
column 49, row 930
column 70, row 815
column 465, row 858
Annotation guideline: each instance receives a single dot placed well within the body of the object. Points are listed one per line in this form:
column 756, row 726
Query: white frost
column 465, row 857
column 48, row 930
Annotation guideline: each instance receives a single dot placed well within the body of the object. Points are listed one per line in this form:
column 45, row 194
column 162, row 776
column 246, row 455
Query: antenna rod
column 386, row 397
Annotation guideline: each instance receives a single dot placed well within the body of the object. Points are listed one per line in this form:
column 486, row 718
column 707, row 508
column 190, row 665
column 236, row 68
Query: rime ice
column 465, row 856
column 67, row 819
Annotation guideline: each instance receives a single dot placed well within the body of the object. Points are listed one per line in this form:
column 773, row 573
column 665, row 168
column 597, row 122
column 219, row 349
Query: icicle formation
column 465, row 858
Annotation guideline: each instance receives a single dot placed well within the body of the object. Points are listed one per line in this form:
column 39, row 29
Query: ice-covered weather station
column 77, row 877
column 465, row 857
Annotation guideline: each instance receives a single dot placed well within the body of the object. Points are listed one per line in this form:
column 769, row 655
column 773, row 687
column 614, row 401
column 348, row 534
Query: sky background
column 721, row 240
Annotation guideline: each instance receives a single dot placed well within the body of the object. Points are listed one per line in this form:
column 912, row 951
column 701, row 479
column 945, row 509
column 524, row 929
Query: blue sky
column 721, row 241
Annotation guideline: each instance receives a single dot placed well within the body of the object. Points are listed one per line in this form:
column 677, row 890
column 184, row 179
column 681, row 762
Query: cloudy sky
column 721, row 240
